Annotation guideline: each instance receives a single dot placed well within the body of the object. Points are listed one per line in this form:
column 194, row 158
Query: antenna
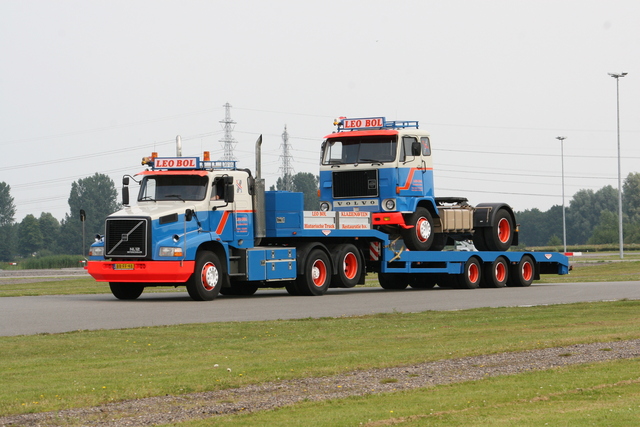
column 228, row 142
column 287, row 160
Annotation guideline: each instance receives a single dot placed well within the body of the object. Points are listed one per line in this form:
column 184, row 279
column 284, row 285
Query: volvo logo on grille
column 124, row 238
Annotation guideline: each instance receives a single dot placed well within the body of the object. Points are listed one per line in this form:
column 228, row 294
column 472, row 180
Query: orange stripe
column 409, row 180
column 223, row 222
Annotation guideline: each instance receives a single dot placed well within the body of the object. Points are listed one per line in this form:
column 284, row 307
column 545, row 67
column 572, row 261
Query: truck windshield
column 361, row 149
column 173, row 187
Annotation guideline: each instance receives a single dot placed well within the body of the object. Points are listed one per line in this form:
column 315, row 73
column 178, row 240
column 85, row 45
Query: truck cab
column 385, row 167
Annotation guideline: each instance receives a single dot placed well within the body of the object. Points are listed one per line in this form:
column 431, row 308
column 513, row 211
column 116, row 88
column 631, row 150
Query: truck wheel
column 317, row 274
column 471, row 276
column 349, row 266
column 479, row 241
column 496, row 273
column 206, row 280
column 499, row 236
column 522, row 273
column 240, row 290
column 393, row 281
column 421, row 235
column 292, row 288
column 422, row 281
column 126, row 291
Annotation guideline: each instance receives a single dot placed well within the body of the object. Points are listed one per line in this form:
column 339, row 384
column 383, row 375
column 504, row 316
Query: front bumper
column 141, row 271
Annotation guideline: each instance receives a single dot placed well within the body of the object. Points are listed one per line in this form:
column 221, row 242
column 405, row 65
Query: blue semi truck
column 211, row 227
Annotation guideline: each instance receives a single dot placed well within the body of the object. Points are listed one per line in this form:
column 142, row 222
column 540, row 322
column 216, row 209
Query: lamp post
column 564, row 221
column 620, row 236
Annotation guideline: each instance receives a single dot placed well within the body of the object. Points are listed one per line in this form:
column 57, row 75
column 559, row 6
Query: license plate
column 123, row 266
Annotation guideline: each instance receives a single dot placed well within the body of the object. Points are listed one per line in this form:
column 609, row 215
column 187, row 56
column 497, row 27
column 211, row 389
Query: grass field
column 55, row 371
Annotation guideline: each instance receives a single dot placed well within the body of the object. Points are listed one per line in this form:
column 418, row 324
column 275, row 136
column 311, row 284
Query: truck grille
column 126, row 237
column 361, row 183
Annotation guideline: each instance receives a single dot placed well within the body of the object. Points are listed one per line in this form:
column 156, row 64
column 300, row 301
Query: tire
column 523, row 273
column 292, row 288
column 206, row 281
column 422, row 281
column 420, row 236
column 496, row 273
column 439, row 242
column 126, row 291
column 316, row 277
column 499, row 236
column 393, row 281
column 349, row 265
column 471, row 275
column 479, row 241
column 446, row 281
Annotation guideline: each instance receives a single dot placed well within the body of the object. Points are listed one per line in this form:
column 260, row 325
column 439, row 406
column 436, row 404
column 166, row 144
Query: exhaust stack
column 259, row 218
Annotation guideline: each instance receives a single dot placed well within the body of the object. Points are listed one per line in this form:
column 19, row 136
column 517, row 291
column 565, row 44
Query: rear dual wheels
column 523, row 273
column 316, row 275
column 498, row 236
column 349, row 266
column 496, row 273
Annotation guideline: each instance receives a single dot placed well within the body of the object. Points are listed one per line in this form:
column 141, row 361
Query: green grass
column 57, row 286
column 55, row 371
column 597, row 394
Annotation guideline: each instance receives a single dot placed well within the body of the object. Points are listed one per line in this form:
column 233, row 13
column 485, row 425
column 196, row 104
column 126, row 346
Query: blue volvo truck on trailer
column 211, row 226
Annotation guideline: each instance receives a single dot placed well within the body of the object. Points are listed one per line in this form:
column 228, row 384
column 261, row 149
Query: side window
column 407, row 142
column 426, row 146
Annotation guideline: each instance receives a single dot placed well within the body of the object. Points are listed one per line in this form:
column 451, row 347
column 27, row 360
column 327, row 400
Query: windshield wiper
column 148, row 199
column 373, row 161
column 177, row 196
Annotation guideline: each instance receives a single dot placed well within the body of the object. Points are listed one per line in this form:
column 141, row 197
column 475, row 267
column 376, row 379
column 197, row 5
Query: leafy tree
column 554, row 241
column 606, row 231
column 29, row 235
column 50, row 229
column 7, row 214
column 97, row 197
column 585, row 210
column 631, row 196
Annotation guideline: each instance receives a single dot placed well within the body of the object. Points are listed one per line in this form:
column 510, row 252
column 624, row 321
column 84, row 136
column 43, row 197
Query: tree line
column 96, row 196
column 591, row 217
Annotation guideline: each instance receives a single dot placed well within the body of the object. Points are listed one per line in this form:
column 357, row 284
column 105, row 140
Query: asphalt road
column 62, row 313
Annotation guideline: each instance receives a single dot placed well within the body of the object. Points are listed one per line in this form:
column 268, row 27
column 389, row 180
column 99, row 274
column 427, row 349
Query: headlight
column 170, row 251
column 96, row 251
column 390, row 204
column 325, row 206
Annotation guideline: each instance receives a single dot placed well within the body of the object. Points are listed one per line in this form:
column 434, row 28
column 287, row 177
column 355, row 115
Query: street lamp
column 564, row 221
column 617, row 77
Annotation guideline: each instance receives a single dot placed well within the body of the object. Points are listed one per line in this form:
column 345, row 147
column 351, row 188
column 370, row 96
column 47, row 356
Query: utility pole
column 228, row 142
column 287, row 159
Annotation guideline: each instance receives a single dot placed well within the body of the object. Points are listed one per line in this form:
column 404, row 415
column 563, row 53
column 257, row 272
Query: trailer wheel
column 420, row 236
column 393, row 281
column 317, row 274
column 496, row 273
column 499, row 236
column 206, row 280
column 479, row 241
column 471, row 275
column 422, row 281
column 446, row 281
column 522, row 273
column 126, row 291
column 349, row 266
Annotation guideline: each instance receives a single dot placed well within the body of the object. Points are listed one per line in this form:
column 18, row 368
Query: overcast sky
column 93, row 86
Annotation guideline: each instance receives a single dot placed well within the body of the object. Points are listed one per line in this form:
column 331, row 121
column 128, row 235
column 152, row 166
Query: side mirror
column 229, row 193
column 125, row 190
column 416, row 148
column 188, row 215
